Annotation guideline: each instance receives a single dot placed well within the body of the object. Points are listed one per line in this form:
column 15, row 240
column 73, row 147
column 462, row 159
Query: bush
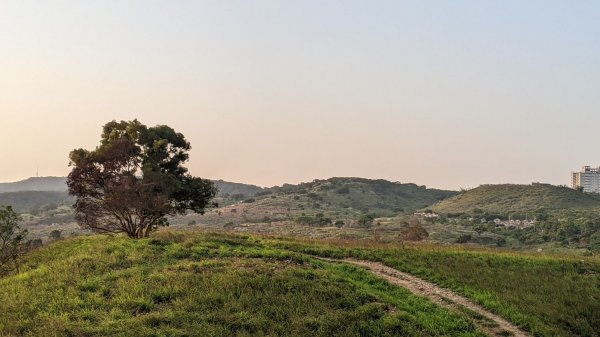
column 11, row 239
column 464, row 238
column 55, row 235
column 366, row 220
column 318, row 220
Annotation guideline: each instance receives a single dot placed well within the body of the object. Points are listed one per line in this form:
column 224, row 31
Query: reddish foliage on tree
column 415, row 231
column 134, row 179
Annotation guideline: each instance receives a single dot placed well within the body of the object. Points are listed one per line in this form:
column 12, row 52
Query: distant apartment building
column 588, row 179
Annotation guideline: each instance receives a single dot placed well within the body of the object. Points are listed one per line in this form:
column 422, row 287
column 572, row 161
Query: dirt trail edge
column 486, row 321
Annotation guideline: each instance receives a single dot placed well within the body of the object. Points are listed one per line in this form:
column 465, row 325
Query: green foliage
column 319, row 220
column 464, row 238
column 366, row 220
column 135, row 179
column 11, row 239
column 563, row 215
column 185, row 284
column 595, row 242
column 55, row 234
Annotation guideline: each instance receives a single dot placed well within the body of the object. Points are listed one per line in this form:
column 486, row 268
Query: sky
column 448, row 94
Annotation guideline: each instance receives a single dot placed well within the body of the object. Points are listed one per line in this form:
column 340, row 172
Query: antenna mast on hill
column 37, row 172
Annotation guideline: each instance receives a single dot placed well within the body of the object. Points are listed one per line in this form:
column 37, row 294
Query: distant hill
column 236, row 189
column 33, row 201
column 359, row 194
column 34, row 193
column 516, row 199
column 59, row 184
column 36, row 184
column 367, row 195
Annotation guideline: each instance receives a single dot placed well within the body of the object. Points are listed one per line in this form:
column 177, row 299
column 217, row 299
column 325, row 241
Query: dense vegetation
column 185, row 284
column 134, row 179
column 563, row 215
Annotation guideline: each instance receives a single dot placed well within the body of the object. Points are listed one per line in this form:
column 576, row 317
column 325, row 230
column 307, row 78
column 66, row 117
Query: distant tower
column 37, row 171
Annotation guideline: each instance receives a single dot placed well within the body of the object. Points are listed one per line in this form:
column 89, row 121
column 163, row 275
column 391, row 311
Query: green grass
column 196, row 284
column 546, row 295
column 516, row 199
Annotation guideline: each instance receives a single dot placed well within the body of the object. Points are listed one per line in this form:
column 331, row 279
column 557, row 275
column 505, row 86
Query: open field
column 181, row 283
column 546, row 295
column 184, row 284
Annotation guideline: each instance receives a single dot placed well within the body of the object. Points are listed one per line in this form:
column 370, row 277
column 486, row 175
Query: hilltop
column 206, row 285
column 509, row 199
column 320, row 203
column 364, row 195
column 57, row 184
column 210, row 284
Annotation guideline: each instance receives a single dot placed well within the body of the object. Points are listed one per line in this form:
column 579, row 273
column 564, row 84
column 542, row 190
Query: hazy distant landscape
column 565, row 219
column 407, row 168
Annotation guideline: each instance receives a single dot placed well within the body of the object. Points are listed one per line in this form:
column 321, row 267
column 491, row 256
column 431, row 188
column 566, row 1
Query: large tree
column 134, row 179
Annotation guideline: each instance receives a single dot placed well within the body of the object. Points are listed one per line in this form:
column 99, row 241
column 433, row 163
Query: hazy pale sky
column 443, row 93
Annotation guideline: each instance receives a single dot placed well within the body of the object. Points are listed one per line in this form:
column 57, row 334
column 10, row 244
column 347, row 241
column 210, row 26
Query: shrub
column 11, row 239
column 366, row 220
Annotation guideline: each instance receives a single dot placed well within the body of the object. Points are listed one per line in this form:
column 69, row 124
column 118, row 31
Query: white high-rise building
column 588, row 178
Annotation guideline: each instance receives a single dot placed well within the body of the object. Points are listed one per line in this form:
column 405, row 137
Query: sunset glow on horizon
column 443, row 94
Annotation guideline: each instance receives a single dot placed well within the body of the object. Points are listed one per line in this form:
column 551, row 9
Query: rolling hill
column 216, row 284
column 364, row 195
column 206, row 285
column 57, row 184
column 236, row 190
column 516, row 199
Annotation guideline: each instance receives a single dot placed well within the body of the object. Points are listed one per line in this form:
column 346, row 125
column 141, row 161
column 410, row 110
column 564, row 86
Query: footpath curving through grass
column 544, row 295
column 197, row 284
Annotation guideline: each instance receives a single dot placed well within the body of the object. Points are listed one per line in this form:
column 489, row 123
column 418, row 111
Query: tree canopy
column 134, row 179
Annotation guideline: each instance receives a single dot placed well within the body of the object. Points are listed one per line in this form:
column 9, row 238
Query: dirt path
column 486, row 321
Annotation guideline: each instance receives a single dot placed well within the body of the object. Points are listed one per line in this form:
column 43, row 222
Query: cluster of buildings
column 587, row 179
column 515, row 223
column 425, row 215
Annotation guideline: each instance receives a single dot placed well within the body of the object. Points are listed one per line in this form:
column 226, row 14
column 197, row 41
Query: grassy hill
column 516, row 199
column 335, row 201
column 178, row 284
column 365, row 195
column 203, row 284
